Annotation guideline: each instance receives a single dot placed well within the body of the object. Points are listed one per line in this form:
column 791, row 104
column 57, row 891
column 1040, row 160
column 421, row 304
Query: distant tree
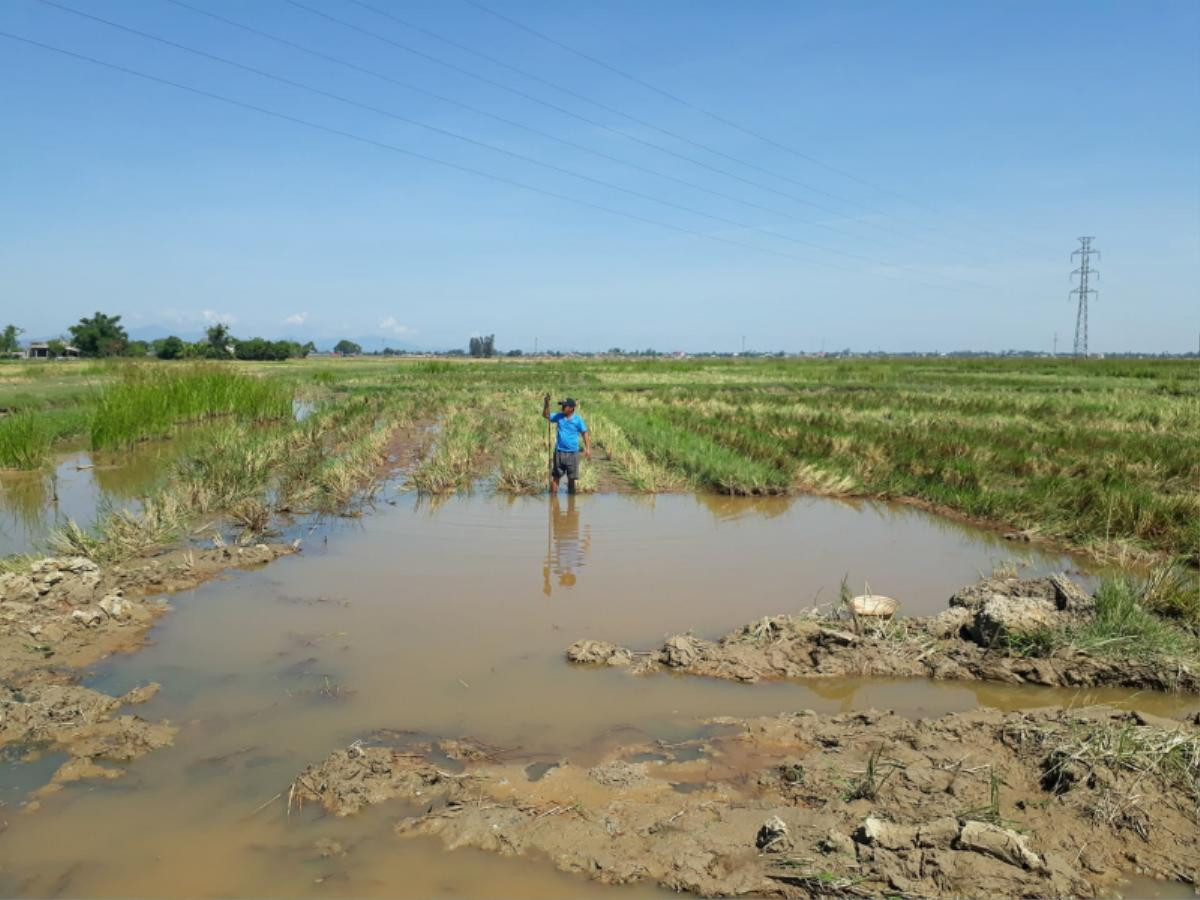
column 100, row 335
column 57, row 347
column 483, row 347
column 261, row 349
column 219, row 341
column 252, row 348
column 515, row 353
column 616, row 351
column 169, row 347
column 308, row 348
column 288, row 350
column 10, row 339
column 136, row 348
column 347, row 348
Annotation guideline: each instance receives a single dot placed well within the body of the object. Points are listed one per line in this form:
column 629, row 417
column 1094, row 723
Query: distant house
column 41, row 350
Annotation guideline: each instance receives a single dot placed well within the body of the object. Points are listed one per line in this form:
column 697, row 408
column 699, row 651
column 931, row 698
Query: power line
column 585, row 119
column 712, row 115
column 1085, row 252
column 600, row 105
column 466, row 139
column 501, row 150
column 692, row 106
column 502, row 119
column 512, row 182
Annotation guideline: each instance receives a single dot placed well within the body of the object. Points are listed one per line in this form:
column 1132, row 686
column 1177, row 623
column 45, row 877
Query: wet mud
column 65, row 613
column 39, row 715
column 968, row 641
column 1049, row 803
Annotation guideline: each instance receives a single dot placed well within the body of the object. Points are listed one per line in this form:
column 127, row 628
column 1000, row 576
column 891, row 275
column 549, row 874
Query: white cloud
column 392, row 326
column 215, row 318
column 296, row 318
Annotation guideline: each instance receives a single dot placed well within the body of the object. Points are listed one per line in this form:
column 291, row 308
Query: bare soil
column 969, row 641
column 981, row 804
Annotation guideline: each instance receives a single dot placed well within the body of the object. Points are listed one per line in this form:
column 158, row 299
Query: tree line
column 103, row 335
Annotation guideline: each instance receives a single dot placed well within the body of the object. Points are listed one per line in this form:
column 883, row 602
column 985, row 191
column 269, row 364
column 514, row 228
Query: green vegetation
column 10, row 340
column 24, row 440
column 251, row 473
column 1097, row 455
column 1136, row 617
column 101, row 335
column 149, row 401
column 874, row 777
column 1123, row 624
column 461, row 441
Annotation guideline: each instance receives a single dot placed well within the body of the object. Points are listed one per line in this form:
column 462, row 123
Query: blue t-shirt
column 569, row 430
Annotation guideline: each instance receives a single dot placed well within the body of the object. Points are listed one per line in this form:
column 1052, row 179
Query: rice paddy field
column 425, row 604
column 1097, row 456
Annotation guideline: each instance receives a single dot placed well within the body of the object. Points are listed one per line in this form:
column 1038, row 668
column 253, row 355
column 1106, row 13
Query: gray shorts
column 565, row 463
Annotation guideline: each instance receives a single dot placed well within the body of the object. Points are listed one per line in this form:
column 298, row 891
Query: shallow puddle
column 451, row 620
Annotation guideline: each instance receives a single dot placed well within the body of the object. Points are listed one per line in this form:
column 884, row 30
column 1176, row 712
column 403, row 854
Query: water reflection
column 566, row 545
column 729, row 508
column 25, row 498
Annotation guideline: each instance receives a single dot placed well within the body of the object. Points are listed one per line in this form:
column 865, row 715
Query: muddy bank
column 65, row 613
column 1051, row 803
column 71, row 612
column 974, row 639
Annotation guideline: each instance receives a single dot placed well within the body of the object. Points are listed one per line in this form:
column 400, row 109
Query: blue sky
column 973, row 141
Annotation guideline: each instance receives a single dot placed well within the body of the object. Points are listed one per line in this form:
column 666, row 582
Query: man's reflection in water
column 565, row 548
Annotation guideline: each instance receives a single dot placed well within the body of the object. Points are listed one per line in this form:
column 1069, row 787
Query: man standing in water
column 566, row 448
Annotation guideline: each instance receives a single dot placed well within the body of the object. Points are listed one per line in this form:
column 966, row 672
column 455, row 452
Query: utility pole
column 1085, row 270
column 1055, row 353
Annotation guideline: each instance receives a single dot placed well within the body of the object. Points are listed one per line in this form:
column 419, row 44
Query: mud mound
column 968, row 641
column 44, row 716
column 978, row 804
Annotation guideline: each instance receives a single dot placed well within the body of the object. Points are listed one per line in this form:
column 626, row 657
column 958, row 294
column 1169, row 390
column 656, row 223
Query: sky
column 676, row 174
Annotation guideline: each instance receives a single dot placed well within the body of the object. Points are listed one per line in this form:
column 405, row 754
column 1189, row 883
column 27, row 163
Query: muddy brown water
column 451, row 620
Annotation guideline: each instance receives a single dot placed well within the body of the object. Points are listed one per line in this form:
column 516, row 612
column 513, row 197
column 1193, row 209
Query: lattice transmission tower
column 1085, row 271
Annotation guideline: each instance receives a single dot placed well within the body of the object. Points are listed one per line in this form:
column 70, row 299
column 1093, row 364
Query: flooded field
column 451, row 620
column 79, row 486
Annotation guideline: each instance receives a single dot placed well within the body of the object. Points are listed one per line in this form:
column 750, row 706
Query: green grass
column 149, row 401
column 1124, row 626
column 24, row 440
column 1136, row 617
column 708, row 463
